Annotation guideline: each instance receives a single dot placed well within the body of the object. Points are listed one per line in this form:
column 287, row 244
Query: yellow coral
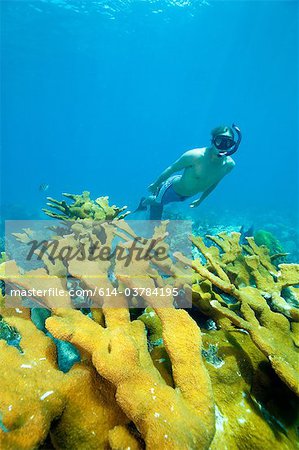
column 34, row 392
column 166, row 418
column 271, row 331
column 164, row 388
column 31, row 391
column 242, row 382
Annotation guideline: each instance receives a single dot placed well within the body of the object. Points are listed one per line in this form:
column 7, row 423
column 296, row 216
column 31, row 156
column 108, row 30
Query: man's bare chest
column 207, row 169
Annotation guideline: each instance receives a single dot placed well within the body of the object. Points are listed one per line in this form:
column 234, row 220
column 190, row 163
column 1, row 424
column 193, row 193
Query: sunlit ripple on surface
column 112, row 8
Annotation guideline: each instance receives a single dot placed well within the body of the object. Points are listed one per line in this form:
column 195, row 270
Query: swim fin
column 141, row 206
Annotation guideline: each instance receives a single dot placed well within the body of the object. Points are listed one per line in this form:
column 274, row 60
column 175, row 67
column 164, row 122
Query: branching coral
column 37, row 397
column 253, row 408
column 262, row 237
column 144, row 381
column 178, row 418
column 82, row 207
column 239, row 286
column 34, row 393
column 39, row 280
column 168, row 417
column 162, row 415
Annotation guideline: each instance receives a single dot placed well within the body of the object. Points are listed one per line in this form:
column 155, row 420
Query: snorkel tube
column 236, row 146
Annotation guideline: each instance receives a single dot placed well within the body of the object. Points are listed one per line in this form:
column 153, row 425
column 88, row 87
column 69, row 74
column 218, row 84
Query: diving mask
column 224, row 143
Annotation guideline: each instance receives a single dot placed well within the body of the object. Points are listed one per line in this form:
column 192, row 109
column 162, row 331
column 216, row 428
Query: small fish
column 43, row 187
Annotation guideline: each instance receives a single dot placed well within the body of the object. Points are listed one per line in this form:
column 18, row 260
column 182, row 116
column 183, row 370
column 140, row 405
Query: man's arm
column 184, row 161
column 203, row 196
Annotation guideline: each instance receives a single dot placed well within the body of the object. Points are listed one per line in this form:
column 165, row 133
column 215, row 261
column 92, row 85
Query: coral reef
column 179, row 416
column 41, row 393
column 281, row 224
column 82, row 207
column 241, row 284
column 276, row 251
column 253, row 408
column 176, row 418
column 223, row 374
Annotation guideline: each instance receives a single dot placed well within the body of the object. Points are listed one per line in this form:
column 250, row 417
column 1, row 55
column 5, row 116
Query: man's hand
column 195, row 203
column 153, row 188
column 203, row 196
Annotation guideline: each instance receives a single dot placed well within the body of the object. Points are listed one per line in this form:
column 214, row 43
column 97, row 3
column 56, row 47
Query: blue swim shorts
column 167, row 194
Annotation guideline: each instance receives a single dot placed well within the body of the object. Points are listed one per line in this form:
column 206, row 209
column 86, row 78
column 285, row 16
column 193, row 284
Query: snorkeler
column 203, row 169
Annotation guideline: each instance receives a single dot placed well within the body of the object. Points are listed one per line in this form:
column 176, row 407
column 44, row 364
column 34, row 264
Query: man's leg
column 166, row 194
column 156, row 211
column 145, row 202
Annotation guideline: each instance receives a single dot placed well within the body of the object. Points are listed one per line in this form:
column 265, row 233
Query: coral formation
column 262, row 237
column 174, row 417
column 253, row 408
column 42, row 393
column 152, row 377
column 82, row 207
column 166, row 417
column 241, row 284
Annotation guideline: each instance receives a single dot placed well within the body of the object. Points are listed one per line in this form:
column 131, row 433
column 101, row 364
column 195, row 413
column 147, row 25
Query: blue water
column 103, row 96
